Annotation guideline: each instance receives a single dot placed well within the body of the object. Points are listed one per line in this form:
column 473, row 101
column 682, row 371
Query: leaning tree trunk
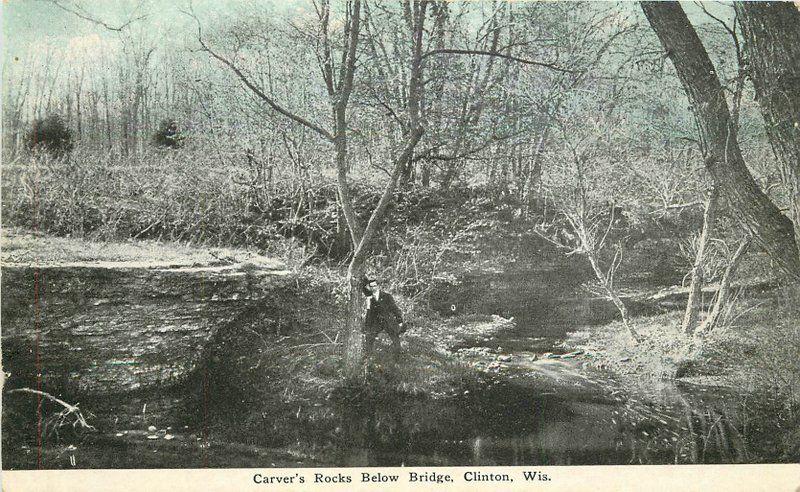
column 751, row 207
column 771, row 33
column 693, row 305
column 724, row 292
column 354, row 336
column 611, row 294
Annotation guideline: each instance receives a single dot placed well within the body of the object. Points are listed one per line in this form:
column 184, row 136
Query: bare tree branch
column 254, row 88
column 61, row 416
column 81, row 13
column 430, row 152
column 456, row 51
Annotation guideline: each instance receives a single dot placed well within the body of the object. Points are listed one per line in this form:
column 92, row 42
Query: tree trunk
column 425, row 181
column 107, row 115
column 78, row 114
column 534, row 176
column 354, row 336
column 134, row 117
column 723, row 294
column 771, row 33
column 693, row 305
column 610, row 292
column 723, row 159
column 354, row 340
column 407, row 177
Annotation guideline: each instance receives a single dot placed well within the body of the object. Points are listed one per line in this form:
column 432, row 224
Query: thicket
column 168, row 135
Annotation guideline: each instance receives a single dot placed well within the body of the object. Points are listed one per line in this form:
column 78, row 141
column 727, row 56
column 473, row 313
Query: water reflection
column 510, row 423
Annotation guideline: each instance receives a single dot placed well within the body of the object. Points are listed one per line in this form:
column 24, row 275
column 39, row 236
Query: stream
column 536, row 407
column 530, row 406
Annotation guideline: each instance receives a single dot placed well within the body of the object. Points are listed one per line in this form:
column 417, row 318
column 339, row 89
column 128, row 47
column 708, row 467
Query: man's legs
column 395, row 343
column 369, row 341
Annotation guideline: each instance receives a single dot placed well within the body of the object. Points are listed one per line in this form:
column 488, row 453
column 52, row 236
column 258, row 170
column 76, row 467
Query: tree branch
column 82, row 14
column 678, row 206
column 254, row 88
column 68, row 409
column 456, row 51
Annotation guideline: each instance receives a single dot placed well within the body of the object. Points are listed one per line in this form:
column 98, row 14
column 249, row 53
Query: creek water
column 527, row 409
column 532, row 408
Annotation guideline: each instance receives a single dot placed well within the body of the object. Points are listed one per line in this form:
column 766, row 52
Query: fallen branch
column 59, row 419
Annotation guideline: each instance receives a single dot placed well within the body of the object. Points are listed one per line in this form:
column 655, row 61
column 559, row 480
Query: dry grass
column 662, row 349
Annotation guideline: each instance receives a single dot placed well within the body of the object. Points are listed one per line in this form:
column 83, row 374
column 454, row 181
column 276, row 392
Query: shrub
column 50, row 134
column 168, row 135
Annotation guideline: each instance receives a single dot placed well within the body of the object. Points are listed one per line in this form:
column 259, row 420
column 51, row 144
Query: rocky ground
column 114, row 317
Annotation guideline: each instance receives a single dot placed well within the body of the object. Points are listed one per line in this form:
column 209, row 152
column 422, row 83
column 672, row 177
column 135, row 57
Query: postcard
column 400, row 245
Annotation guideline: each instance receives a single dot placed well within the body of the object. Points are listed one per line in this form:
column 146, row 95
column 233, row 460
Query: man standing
column 382, row 315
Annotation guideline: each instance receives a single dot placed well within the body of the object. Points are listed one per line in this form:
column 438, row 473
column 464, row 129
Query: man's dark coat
column 383, row 315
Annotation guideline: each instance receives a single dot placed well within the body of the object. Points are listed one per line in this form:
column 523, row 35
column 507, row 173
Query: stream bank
column 752, row 357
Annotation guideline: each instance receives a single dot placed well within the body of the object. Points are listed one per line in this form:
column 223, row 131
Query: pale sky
column 38, row 23
column 26, row 22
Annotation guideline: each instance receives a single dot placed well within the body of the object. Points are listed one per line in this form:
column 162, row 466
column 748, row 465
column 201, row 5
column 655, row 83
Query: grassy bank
column 754, row 352
column 290, row 392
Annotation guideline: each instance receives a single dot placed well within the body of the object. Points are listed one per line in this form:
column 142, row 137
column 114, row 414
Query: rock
column 625, row 359
column 152, row 437
column 169, row 437
column 152, row 428
column 112, row 328
column 504, row 358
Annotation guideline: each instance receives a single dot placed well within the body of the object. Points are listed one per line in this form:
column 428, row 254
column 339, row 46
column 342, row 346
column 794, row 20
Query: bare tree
column 339, row 83
column 698, row 273
column 416, row 9
column 582, row 180
column 722, row 299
